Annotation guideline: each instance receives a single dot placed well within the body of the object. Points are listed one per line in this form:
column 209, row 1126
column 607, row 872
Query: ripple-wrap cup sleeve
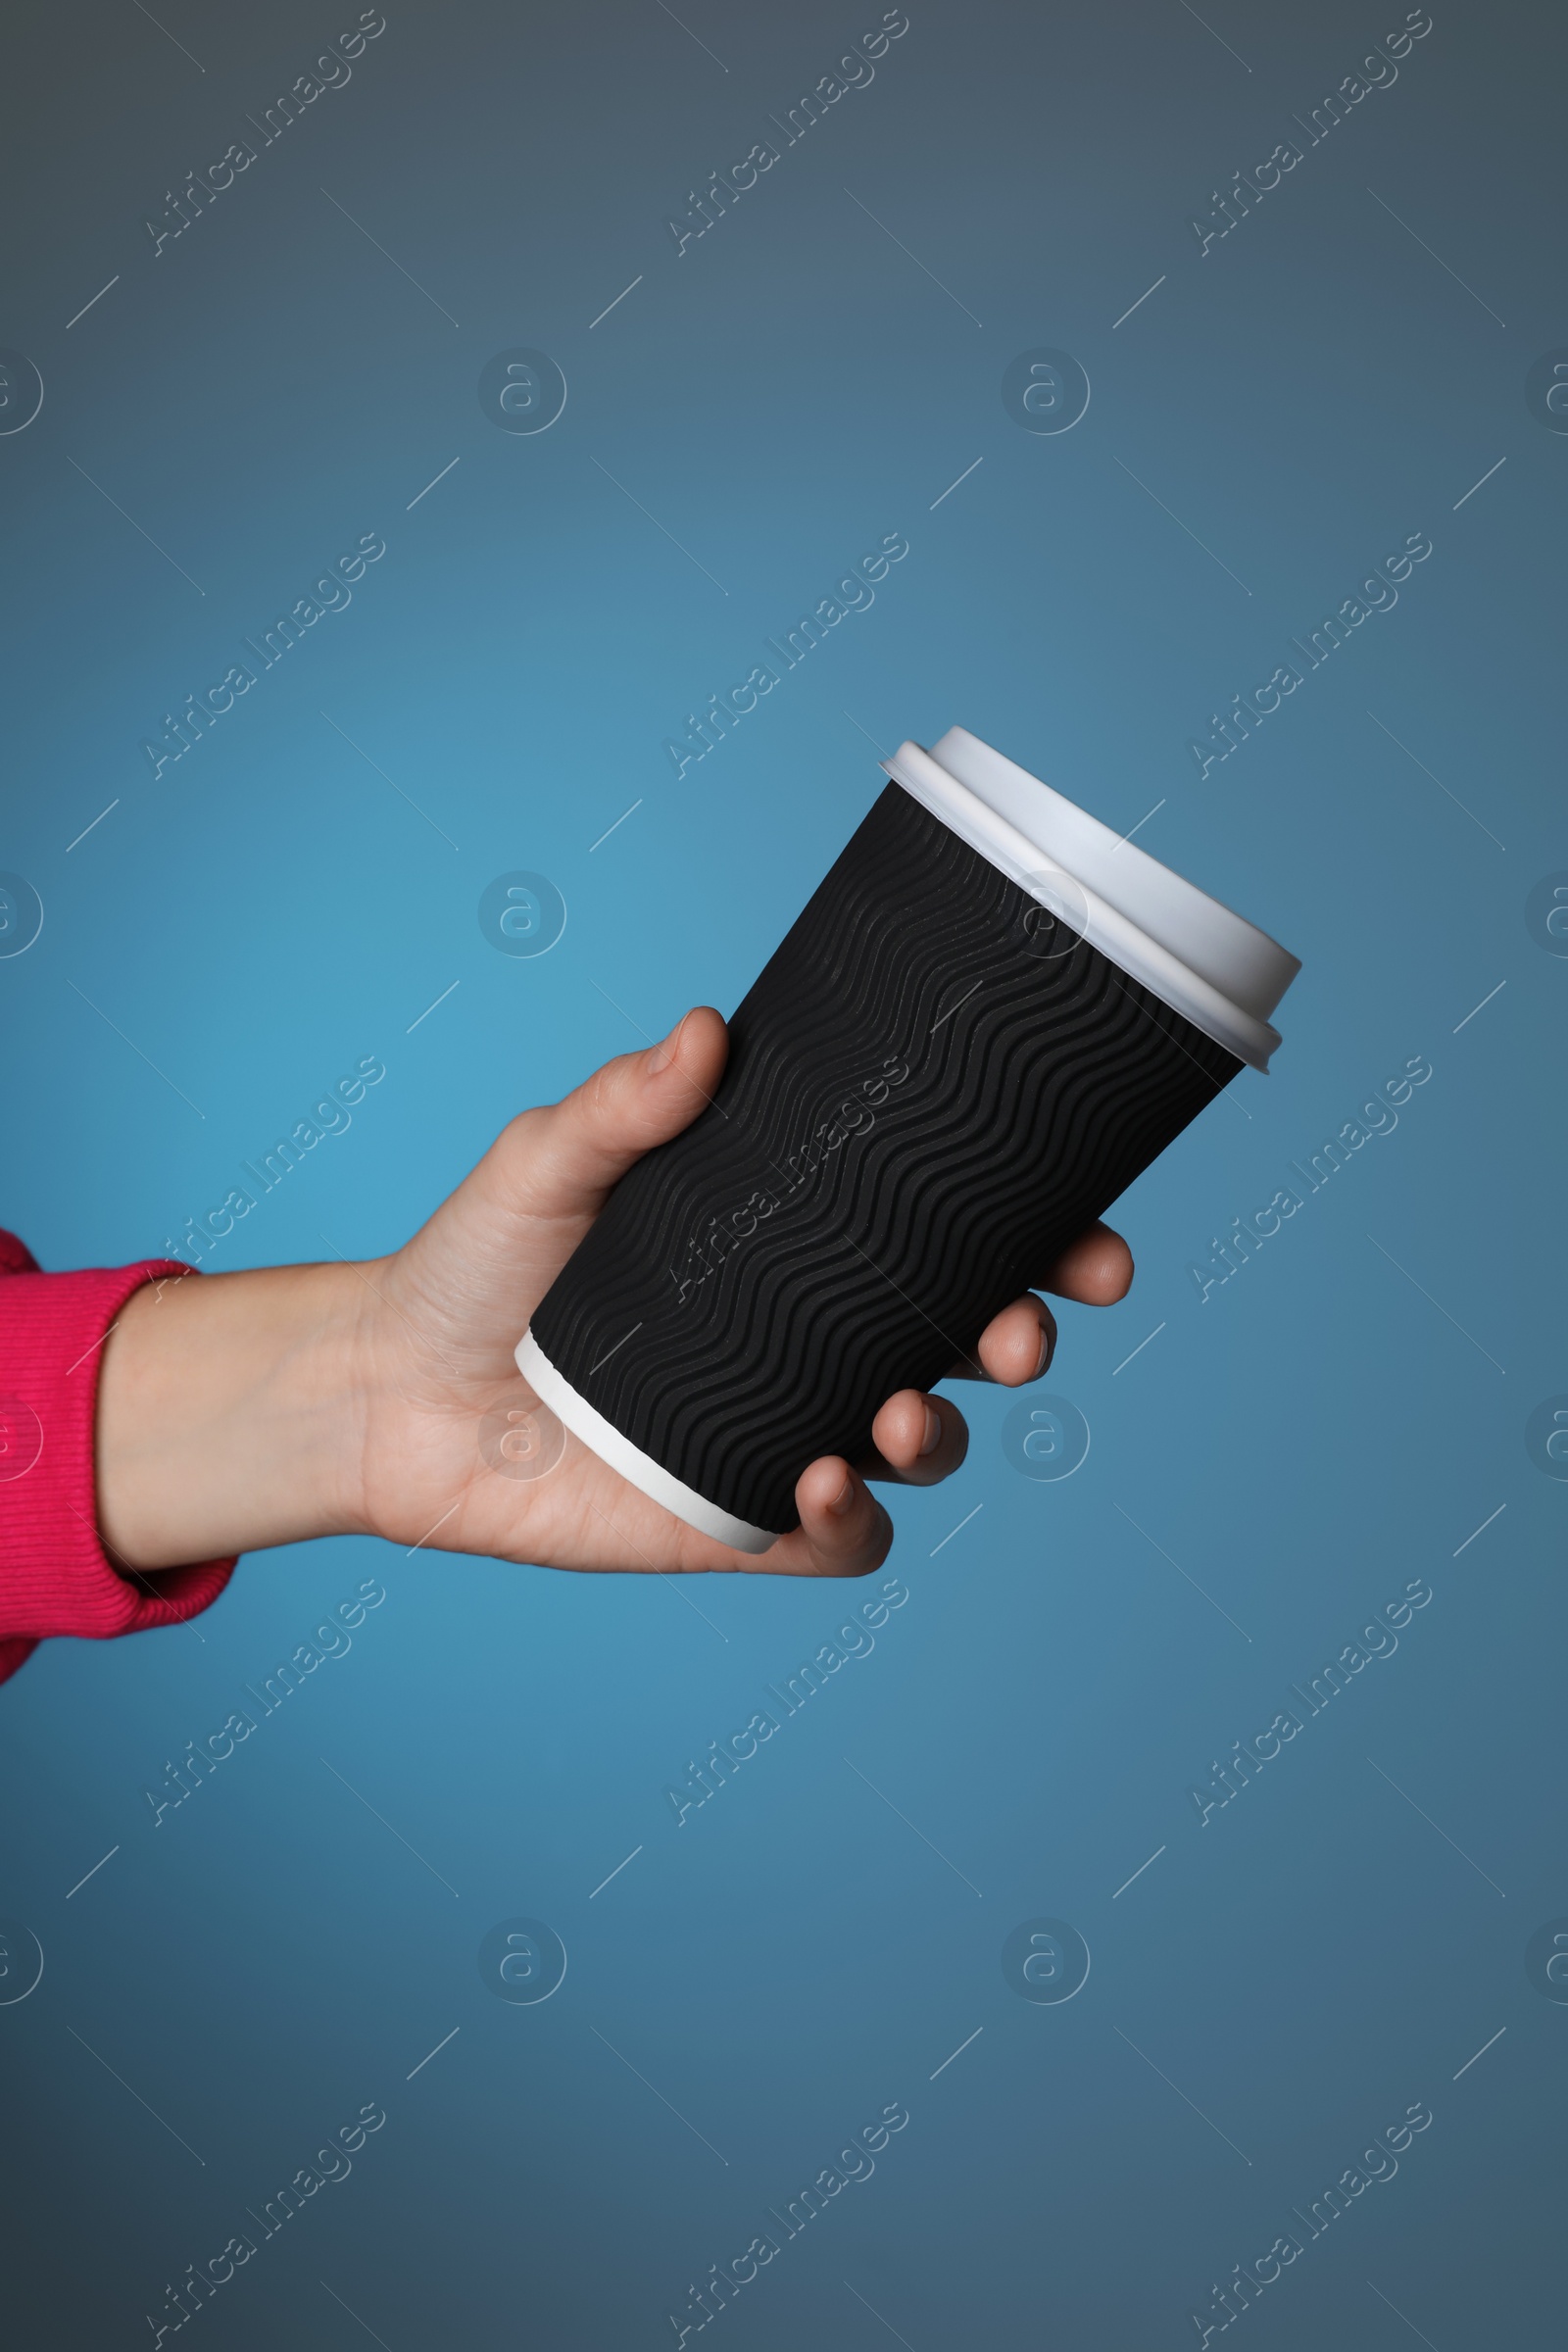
column 931, row 1089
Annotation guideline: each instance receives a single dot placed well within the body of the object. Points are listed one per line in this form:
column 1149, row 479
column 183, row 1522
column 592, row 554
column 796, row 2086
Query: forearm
column 230, row 1414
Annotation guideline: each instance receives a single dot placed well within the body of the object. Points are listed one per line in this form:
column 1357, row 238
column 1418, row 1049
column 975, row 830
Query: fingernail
column 1044, row 1358
column 664, row 1055
column 933, row 1430
column 843, row 1497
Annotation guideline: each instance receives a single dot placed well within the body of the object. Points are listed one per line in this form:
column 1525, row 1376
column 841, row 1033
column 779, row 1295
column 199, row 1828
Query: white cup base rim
column 639, row 1469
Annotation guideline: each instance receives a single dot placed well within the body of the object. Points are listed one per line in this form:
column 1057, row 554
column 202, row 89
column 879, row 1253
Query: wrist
column 230, row 1414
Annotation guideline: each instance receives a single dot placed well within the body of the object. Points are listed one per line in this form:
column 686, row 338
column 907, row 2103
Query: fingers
column 563, row 1160
column 919, row 1440
column 843, row 1531
column 1096, row 1270
column 1016, row 1346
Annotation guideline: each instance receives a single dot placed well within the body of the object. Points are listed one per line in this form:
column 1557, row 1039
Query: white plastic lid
column 1219, row 971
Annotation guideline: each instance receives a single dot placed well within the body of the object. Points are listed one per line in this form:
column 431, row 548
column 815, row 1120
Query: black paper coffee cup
column 993, row 1014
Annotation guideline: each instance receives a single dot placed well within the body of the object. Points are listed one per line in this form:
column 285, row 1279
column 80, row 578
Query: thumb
column 565, row 1159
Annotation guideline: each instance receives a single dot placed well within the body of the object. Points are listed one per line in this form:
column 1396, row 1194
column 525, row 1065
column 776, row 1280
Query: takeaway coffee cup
column 992, row 1015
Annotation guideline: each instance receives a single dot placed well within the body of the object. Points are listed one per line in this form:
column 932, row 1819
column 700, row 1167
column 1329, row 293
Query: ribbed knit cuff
column 55, row 1575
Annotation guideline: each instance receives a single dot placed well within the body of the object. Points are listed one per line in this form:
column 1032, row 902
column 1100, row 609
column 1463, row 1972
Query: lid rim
column 1125, row 942
column 1247, row 966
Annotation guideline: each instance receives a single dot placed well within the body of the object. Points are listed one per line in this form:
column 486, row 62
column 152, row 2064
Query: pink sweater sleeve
column 55, row 1576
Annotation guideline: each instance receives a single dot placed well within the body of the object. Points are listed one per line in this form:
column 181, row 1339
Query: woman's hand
column 249, row 1410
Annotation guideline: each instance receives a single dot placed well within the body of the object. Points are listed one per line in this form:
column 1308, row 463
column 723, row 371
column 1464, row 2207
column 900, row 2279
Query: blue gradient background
column 789, row 390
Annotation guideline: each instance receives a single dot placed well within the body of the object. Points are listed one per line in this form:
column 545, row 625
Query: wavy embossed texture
column 919, row 1110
